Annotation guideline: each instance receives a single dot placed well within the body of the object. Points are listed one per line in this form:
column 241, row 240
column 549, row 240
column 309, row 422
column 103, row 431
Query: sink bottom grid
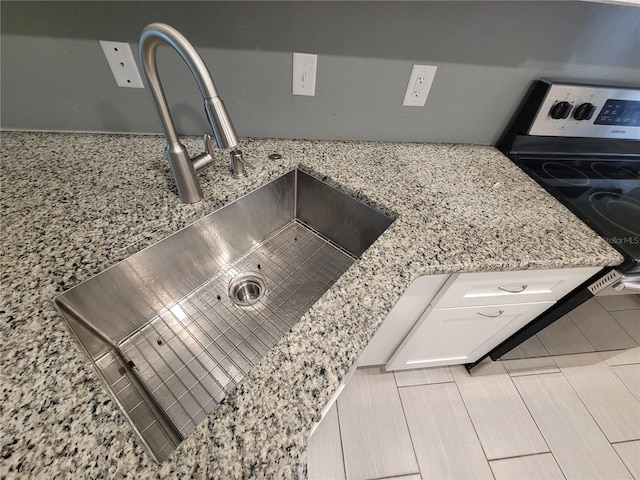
column 193, row 353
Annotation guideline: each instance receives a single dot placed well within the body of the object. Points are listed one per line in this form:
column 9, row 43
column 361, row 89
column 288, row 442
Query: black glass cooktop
column 604, row 193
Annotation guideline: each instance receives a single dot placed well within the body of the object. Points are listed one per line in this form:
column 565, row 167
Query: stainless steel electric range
column 582, row 144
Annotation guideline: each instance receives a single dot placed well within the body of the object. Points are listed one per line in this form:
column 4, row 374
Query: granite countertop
column 74, row 204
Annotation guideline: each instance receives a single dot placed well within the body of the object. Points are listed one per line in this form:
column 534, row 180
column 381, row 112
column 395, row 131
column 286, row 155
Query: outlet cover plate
column 122, row 64
column 419, row 85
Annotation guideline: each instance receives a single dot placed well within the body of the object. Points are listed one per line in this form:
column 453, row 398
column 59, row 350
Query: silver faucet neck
column 155, row 34
column 152, row 36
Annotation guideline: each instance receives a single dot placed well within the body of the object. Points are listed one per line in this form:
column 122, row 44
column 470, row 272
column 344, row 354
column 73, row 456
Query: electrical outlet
column 304, row 74
column 122, row 64
column 419, row 85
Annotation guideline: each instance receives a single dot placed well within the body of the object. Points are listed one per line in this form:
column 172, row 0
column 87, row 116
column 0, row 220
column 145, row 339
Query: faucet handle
column 204, row 160
column 209, row 146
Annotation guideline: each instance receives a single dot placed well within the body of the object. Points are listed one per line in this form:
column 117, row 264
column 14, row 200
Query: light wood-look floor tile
column 629, row 320
column 610, row 403
column 375, row 438
column 500, row 418
column 578, row 359
column 580, row 448
column 324, row 453
column 629, row 452
column 487, row 367
column 414, row 476
column 529, row 348
column 600, row 328
column 531, row 467
column 530, row 366
column 630, row 376
column 623, row 357
column 423, row 376
column 611, row 303
column 443, row 437
column 563, row 337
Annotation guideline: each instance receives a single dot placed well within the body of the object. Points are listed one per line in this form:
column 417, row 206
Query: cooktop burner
column 580, row 171
column 621, row 210
column 565, row 173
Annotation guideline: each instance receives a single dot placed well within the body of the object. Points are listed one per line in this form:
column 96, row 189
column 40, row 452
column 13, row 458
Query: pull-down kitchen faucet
column 183, row 167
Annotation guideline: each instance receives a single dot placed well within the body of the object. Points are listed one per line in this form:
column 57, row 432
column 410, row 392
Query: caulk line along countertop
column 75, row 204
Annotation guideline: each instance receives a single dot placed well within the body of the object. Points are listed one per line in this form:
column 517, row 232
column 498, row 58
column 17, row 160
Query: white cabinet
column 470, row 314
column 401, row 319
column 487, row 288
column 461, row 335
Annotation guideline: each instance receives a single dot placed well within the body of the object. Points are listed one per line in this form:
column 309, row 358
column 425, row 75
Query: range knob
column 584, row 111
column 560, row 110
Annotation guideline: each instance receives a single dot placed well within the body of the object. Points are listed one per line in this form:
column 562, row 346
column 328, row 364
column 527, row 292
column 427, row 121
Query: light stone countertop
column 75, row 204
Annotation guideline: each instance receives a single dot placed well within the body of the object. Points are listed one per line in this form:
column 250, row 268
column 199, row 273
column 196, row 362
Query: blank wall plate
column 419, row 85
column 304, row 74
column 122, row 64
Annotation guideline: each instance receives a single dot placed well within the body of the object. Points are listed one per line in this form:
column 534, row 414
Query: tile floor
column 562, row 416
column 600, row 324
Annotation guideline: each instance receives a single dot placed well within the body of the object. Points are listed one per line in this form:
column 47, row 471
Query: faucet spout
column 184, row 168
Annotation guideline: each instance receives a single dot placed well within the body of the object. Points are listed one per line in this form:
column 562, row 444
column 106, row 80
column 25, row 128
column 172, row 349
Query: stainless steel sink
column 174, row 328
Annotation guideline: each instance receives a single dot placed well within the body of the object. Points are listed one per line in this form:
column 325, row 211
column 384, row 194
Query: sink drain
column 246, row 289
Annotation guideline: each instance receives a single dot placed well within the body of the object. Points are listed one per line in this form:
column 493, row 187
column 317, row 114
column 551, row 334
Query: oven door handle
column 629, row 286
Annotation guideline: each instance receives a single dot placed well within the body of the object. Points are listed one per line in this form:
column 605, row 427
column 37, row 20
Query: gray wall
column 54, row 75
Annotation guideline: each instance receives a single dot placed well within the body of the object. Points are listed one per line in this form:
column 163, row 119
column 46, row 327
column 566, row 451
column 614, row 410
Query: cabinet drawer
column 525, row 286
column 461, row 335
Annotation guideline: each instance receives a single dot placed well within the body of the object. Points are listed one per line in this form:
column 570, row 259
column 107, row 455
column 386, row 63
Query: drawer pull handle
column 520, row 290
column 500, row 312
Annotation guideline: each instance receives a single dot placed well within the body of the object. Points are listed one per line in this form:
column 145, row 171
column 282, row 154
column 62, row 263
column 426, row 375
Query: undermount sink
column 173, row 328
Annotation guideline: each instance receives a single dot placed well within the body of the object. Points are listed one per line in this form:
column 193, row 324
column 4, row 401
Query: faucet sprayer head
column 221, row 125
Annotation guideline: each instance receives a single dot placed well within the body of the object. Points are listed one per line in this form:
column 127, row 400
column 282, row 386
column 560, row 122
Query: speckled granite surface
column 74, row 204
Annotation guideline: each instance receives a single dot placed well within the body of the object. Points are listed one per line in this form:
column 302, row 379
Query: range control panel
column 570, row 110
